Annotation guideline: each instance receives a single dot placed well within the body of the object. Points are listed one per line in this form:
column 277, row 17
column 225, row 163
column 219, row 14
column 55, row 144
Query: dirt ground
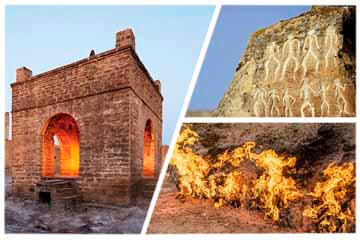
column 314, row 145
column 27, row 216
column 200, row 216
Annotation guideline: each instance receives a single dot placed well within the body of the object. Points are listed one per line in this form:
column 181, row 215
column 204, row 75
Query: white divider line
column 269, row 120
column 181, row 117
column 254, row 236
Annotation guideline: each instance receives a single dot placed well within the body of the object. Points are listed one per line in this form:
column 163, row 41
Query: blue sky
column 168, row 41
column 228, row 43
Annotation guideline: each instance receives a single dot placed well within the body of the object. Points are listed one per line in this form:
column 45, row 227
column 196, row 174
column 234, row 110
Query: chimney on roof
column 158, row 84
column 125, row 39
column 23, row 74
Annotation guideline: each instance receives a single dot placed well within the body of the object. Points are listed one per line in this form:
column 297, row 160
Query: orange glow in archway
column 149, row 150
column 64, row 127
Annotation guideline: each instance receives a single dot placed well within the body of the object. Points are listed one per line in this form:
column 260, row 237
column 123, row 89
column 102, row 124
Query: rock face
column 301, row 67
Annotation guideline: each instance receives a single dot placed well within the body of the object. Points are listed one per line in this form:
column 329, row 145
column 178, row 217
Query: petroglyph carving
column 274, row 99
column 288, row 101
column 331, row 41
column 325, row 107
column 260, row 105
column 294, row 50
column 340, row 105
column 341, row 101
column 273, row 50
column 311, row 45
column 318, row 46
column 306, row 92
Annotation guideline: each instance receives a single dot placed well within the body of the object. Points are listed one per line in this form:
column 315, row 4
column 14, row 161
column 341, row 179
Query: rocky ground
column 27, row 216
column 314, row 145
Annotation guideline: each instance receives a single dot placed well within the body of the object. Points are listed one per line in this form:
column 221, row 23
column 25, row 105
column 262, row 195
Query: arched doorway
column 60, row 147
column 149, row 150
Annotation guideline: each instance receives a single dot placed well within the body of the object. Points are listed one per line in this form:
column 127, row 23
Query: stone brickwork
column 110, row 96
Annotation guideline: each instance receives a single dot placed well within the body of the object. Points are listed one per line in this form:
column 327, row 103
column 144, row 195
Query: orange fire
column 192, row 167
column 199, row 177
column 149, row 150
column 65, row 129
column 272, row 189
column 222, row 179
column 329, row 211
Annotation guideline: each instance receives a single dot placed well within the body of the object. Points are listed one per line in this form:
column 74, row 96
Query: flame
column 192, row 167
column 200, row 177
column 69, row 156
column 329, row 211
column 272, row 189
column 149, row 151
column 234, row 189
column 222, row 179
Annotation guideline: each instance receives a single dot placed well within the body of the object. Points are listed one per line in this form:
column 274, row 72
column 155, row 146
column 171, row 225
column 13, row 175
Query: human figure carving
column 305, row 92
column 324, row 104
column 340, row 97
column 273, row 50
column 288, row 101
column 331, row 41
column 340, row 105
column 294, row 50
column 310, row 44
column 274, row 99
column 260, row 105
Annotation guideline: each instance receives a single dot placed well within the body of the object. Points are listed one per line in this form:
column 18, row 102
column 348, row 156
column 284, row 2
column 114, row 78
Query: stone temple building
column 103, row 113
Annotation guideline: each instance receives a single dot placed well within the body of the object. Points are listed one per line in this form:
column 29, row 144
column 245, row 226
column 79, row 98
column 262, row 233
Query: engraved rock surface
column 300, row 67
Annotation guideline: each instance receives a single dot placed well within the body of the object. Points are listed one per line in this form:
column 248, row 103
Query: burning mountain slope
column 304, row 66
column 287, row 184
